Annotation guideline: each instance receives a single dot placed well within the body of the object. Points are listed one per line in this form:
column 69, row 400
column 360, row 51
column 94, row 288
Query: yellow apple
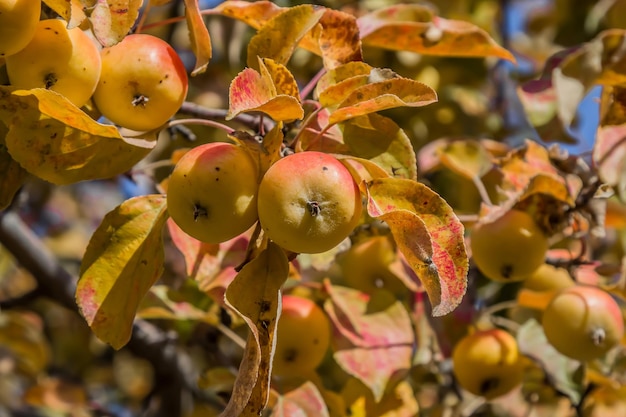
column 18, row 21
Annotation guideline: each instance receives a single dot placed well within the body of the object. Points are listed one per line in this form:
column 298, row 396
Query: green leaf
column 429, row 235
column 566, row 374
column 56, row 141
column 123, row 260
column 255, row 295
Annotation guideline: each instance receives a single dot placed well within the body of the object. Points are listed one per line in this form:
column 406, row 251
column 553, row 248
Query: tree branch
column 172, row 365
column 248, row 120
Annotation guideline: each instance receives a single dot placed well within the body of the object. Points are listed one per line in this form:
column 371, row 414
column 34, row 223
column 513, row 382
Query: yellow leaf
column 123, row 260
column 71, row 11
column 112, row 20
column 199, row 36
column 255, row 14
column 56, row 141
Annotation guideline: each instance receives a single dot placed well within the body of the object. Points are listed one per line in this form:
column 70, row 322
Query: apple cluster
column 306, row 202
column 139, row 83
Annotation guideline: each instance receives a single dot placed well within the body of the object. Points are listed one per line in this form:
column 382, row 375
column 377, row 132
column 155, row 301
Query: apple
column 143, row 83
column 18, row 22
column 510, row 248
column 488, row 363
column 302, row 337
column 58, row 59
column 212, row 191
column 308, row 202
column 583, row 322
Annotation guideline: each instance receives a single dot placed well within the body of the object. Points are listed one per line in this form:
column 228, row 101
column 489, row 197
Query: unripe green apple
column 583, row 322
column 58, row 59
column 510, row 248
column 18, row 21
column 302, row 337
column 308, row 202
column 143, row 82
column 211, row 194
column 488, row 363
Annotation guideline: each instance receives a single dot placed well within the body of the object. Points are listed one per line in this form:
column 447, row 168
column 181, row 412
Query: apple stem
column 140, row 100
column 314, row 208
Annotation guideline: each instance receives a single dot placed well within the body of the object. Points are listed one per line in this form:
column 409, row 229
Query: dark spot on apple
column 291, row 355
column 144, row 262
column 324, row 168
column 217, row 168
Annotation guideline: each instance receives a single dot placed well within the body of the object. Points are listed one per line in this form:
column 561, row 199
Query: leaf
column 304, row 401
column 428, row 234
column 112, row 20
column 71, row 11
column 609, row 156
column 56, row 141
column 380, row 140
column 336, row 39
column 383, row 339
column 341, row 73
column 255, row 14
column 13, row 175
column 467, row 158
column 159, row 303
column 199, row 36
column 255, row 295
column 123, row 260
column 22, row 336
column 278, row 37
column 412, row 27
column 254, row 91
column 566, row 374
column 383, row 95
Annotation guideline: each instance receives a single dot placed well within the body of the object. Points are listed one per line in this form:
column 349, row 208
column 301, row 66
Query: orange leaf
column 198, row 35
column 341, row 73
column 428, row 234
column 255, row 14
column 412, row 27
column 278, row 37
column 71, row 11
column 383, row 95
column 255, row 295
column 254, row 91
column 56, row 141
column 112, row 19
column 123, row 260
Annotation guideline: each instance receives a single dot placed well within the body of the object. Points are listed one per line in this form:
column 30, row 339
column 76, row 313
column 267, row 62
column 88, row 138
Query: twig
column 170, row 363
column 247, row 120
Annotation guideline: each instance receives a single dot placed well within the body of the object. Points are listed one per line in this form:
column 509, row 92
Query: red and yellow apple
column 211, row 194
column 302, row 337
column 308, row 202
column 143, row 83
column 58, row 59
column 18, row 22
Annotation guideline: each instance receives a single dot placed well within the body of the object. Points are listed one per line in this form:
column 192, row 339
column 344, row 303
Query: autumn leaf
column 198, row 35
column 428, row 234
column 304, row 401
column 13, row 175
column 22, row 337
column 609, row 155
column 71, row 11
column 123, row 260
column 112, row 20
column 256, row 91
column 278, row 37
column 255, row 295
column 255, row 14
column 467, row 158
column 383, row 95
column 415, row 28
column 383, row 339
column 162, row 303
column 56, row 141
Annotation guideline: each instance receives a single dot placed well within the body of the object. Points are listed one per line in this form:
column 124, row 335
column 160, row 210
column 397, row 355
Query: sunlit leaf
column 254, row 91
column 467, row 158
column 54, row 140
column 341, row 73
column 335, row 39
column 277, row 38
column 384, row 338
column 123, row 260
column 304, row 401
column 429, row 235
column 112, row 20
column 609, row 155
column 198, row 35
column 566, row 374
column 13, row 175
column 255, row 13
column 334, row 94
column 71, row 11
column 523, row 163
column 255, row 295
column 383, row 95
column 414, row 27
column 380, row 140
